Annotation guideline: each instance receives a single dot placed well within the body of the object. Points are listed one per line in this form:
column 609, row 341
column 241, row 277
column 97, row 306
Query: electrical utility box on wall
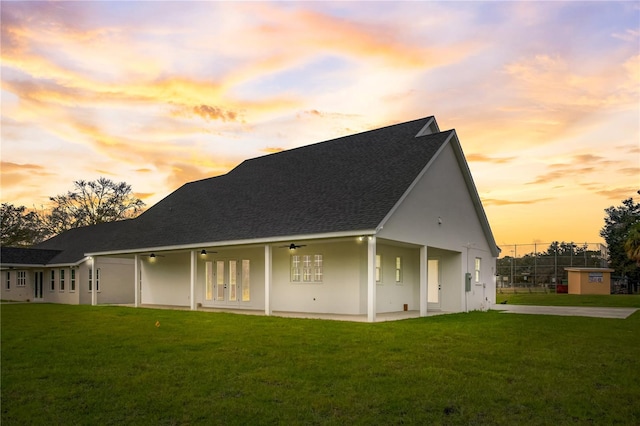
column 467, row 282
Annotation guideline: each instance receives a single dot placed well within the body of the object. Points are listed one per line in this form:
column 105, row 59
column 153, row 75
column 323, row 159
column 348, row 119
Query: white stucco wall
column 439, row 213
column 165, row 280
column 391, row 296
column 65, row 296
column 339, row 292
column 116, row 280
column 14, row 292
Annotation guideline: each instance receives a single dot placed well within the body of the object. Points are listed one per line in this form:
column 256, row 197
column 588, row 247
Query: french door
column 227, row 281
column 38, row 283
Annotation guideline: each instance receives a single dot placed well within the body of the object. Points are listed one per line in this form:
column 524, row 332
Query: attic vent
column 430, row 128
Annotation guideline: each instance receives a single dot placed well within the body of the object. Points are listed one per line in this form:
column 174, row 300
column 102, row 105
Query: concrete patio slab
column 574, row 311
column 380, row 317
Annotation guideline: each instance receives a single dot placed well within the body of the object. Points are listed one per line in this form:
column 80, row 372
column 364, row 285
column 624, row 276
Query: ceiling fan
column 152, row 255
column 293, row 246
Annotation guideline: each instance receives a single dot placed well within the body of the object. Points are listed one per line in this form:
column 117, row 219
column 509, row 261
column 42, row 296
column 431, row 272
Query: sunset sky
column 544, row 96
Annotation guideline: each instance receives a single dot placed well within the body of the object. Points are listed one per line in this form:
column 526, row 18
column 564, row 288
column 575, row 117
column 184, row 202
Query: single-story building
column 589, row 280
column 381, row 221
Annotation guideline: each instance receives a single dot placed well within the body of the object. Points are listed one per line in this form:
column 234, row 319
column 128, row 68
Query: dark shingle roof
column 345, row 184
column 26, row 256
column 72, row 245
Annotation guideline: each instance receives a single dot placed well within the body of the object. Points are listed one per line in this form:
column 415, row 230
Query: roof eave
column 475, row 197
column 244, row 242
column 477, row 203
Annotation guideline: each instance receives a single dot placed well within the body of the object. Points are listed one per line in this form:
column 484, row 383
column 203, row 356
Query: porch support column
column 371, row 279
column 136, row 280
column 94, row 282
column 423, row 281
column 267, row 279
column 192, row 282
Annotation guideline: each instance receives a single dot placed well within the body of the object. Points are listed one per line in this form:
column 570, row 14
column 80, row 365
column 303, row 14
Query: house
column 381, row 221
column 64, row 274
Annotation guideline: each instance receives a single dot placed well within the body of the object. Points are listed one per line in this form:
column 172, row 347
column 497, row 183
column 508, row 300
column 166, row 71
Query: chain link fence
column 540, row 267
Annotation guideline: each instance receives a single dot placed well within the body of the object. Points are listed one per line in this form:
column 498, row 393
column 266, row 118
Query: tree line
column 621, row 232
column 88, row 203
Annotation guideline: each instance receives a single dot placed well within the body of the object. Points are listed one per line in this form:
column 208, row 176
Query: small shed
column 589, row 280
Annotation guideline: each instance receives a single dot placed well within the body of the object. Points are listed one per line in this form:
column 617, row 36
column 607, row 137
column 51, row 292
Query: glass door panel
column 38, row 283
column 208, row 292
column 246, row 287
column 220, row 280
column 433, row 284
column 233, row 281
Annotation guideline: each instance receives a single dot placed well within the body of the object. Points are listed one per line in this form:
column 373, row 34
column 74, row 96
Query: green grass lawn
column 112, row 365
column 553, row 299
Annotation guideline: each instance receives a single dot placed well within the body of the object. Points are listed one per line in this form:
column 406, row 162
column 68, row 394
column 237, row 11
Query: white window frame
column 296, row 273
column 8, row 282
column 477, row 267
column 22, row 279
column 318, row 265
column 61, row 280
column 52, row 282
column 90, row 278
column 307, row 268
column 72, row 281
column 379, row 268
column 398, row 270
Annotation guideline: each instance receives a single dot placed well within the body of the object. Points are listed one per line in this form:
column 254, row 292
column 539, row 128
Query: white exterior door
column 434, row 286
column 227, row 282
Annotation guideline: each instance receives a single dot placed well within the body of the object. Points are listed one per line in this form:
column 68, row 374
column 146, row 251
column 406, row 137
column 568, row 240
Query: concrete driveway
column 573, row 311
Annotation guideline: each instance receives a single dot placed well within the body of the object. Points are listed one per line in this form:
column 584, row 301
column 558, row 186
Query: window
column 22, row 279
column 317, row 268
column 307, row 268
column 378, row 268
column 73, row 280
column 295, row 268
column 246, row 287
column 8, row 282
column 398, row 269
column 53, row 280
column 91, row 279
column 478, row 269
column 61, row 279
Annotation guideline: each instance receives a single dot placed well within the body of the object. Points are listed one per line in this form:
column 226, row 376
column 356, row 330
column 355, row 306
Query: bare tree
column 91, row 203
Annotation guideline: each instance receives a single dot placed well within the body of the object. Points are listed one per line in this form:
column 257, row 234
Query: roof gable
column 345, row 184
